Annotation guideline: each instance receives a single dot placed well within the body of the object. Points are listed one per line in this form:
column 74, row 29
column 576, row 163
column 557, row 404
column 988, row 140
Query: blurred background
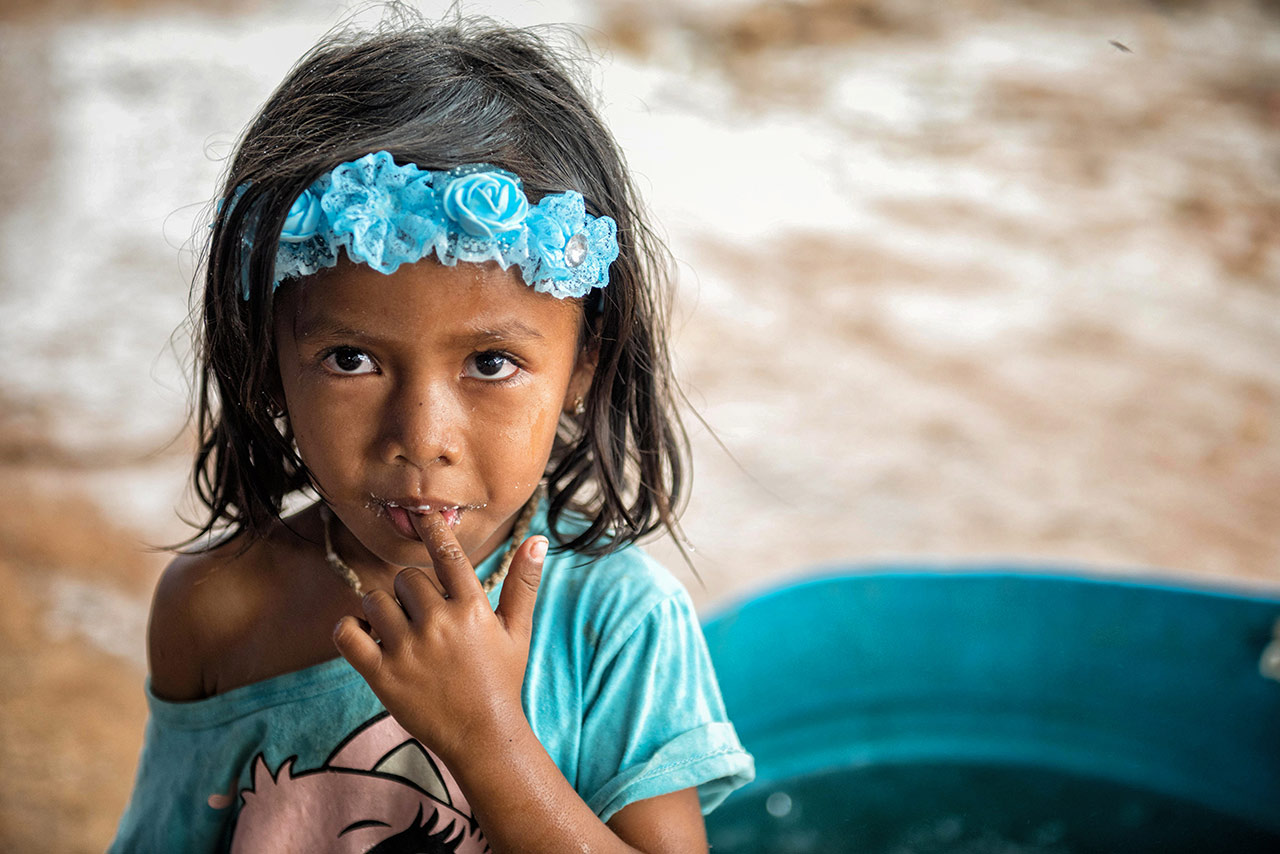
column 956, row 283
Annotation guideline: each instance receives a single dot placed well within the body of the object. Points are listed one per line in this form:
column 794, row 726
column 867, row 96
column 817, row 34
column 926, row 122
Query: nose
column 423, row 424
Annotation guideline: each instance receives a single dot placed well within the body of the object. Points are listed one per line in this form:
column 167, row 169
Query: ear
column 273, row 397
column 584, row 371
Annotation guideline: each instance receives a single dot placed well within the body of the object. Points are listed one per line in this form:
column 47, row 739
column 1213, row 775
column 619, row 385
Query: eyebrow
column 509, row 330
column 324, row 327
column 514, row 329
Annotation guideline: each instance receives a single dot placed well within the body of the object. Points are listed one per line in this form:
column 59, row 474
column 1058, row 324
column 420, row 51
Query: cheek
column 540, row 422
column 326, row 432
column 524, row 434
column 315, row 447
column 542, row 426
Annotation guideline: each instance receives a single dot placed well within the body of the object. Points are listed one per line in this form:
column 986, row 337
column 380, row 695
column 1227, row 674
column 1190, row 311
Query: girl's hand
column 448, row 668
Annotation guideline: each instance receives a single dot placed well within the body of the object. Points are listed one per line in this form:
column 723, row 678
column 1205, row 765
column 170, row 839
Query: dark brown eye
column 349, row 360
column 490, row 365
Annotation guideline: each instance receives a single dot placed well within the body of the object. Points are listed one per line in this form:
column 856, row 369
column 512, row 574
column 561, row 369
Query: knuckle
column 375, row 600
column 409, row 578
column 475, row 619
column 342, row 632
column 452, row 553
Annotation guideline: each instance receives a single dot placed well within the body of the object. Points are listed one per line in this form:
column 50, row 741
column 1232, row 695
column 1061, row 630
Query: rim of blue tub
column 1148, row 681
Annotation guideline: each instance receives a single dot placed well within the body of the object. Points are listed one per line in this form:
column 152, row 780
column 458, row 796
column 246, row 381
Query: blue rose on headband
column 303, row 220
column 485, row 204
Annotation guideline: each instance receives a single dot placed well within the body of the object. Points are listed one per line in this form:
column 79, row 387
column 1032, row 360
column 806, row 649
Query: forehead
column 426, row 300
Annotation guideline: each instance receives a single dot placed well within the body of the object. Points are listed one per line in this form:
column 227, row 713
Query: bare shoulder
column 202, row 602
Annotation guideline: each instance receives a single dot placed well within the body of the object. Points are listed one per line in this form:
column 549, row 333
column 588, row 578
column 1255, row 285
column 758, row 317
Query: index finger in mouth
column 450, row 562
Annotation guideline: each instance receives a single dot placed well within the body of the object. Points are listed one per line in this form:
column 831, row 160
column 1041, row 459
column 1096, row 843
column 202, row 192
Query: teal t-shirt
column 619, row 689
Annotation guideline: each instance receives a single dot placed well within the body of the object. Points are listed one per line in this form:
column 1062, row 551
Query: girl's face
column 434, row 387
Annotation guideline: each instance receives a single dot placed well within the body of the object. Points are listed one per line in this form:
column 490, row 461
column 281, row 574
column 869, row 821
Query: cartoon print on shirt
column 380, row 792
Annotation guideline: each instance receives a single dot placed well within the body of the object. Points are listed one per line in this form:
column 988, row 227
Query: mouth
column 401, row 511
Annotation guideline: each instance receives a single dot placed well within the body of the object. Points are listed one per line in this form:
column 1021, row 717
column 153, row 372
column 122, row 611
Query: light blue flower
column 304, row 218
column 382, row 213
column 485, row 204
column 569, row 252
column 550, row 227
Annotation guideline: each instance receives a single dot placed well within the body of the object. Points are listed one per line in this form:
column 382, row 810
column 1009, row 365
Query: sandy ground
column 999, row 282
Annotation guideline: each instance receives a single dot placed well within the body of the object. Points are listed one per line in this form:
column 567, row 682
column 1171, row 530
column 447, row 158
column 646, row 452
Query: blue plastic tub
column 1000, row 712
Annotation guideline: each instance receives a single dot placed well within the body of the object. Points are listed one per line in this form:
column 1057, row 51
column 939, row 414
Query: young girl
column 430, row 298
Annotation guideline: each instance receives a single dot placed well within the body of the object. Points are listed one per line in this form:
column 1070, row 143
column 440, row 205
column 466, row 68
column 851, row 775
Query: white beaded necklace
column 518, row 533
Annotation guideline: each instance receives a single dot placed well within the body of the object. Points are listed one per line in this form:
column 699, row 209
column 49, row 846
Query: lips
column 400, row 511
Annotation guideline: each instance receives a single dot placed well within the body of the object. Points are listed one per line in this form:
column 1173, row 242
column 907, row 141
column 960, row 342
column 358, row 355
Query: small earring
column 579, row 405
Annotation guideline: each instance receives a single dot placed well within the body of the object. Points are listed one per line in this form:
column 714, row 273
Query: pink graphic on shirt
column 381, row 791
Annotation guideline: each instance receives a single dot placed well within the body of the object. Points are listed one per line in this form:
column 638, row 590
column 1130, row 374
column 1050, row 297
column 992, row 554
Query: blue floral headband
column 385, row 215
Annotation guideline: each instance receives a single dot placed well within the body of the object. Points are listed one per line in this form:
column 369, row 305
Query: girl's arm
column 524, row 803
column 450, row 670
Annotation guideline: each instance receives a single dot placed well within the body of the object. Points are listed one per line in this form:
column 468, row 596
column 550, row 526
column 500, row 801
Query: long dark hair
column 439, row 96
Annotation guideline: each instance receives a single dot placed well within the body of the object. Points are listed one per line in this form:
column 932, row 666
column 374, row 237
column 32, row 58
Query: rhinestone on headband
column 384, row 214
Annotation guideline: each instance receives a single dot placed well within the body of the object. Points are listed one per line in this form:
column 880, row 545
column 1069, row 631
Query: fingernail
column 539, row 549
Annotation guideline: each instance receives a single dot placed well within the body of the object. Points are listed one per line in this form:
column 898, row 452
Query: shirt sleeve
column 197, row 756
column 176, row 804
column 655, row 720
